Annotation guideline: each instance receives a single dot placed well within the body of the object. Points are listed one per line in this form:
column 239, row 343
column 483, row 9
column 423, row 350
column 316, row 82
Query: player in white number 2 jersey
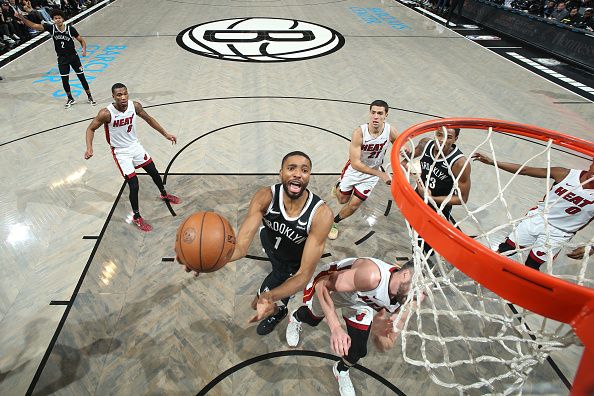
column 569, row 204
column 119, row 120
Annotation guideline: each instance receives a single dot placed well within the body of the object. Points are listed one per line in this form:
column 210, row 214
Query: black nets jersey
column 63, row 41
column 441, row 180
column 287, row 235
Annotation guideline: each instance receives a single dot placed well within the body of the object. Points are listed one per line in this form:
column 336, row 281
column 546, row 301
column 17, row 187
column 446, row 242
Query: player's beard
column 291, row 194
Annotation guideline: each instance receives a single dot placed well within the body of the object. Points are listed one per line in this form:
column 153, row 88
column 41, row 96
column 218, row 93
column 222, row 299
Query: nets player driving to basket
column 360, row 287
column 569, row 206
column 293, row 224
column 119, row 121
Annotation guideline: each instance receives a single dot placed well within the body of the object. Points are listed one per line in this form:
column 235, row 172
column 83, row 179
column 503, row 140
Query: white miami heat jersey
column 570, row 205
column 373, row 149
column 121, row 130
column 377, row 298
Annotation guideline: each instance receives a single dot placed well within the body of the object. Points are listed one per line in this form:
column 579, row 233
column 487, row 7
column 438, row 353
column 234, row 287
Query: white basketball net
column 465, row 336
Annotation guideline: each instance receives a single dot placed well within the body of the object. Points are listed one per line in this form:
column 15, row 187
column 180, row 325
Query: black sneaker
column 267, row 325
column 69, row 103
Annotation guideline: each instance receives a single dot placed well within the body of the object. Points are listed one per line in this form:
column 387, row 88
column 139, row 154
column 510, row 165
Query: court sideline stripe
column 73, row 297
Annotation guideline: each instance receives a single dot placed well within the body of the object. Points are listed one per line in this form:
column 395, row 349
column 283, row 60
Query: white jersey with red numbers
column 120, row 132
column 570, row 206
column 373, row 149
column 376, row 299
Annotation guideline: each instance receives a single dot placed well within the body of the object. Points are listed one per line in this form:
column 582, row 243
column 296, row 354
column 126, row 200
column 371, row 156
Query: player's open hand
column 383, row 325
column 88, row 153
column 171, row 138
column 186, row 268
column 485, row 159
column 264, row 308
column 340, row 342
column 578, row 253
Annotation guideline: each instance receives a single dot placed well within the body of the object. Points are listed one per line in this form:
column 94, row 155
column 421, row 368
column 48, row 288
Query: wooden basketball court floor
column 90, row 305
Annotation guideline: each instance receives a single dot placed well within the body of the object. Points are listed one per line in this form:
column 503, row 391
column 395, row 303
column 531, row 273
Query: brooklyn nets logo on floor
column 260, row 40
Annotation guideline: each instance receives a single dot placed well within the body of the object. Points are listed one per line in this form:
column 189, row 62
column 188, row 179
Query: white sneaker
column 69, row 103
column 333, row 234
column 345, row 386
column 293, row 330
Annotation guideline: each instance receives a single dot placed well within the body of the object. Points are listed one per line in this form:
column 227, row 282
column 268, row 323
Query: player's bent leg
column 359, row 333
column 274, row 279
column 136, row 219
column 151, row 169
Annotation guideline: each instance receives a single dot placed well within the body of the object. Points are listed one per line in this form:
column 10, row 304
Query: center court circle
column 260, row 40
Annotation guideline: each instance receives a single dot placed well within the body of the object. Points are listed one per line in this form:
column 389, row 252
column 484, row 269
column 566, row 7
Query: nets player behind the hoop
column 569, row 207
column 119, row 120
column 293, row 224
column 64, row 36
column 442, row 163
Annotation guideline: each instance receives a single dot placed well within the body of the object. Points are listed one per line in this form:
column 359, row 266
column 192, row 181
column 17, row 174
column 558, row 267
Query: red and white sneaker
column 171, row 198
column 142, row 225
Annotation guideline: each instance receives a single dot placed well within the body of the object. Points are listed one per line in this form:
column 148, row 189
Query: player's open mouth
column 294, row 187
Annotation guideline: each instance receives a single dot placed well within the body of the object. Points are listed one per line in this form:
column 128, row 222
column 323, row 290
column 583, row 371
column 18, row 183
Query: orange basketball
column 205, row 241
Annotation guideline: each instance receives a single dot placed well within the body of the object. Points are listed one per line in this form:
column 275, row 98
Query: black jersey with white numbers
column 63, row 41
column 440, row 182
column 287, row 235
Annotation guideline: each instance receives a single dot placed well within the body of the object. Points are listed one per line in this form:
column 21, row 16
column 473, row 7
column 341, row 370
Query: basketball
column 205, row 241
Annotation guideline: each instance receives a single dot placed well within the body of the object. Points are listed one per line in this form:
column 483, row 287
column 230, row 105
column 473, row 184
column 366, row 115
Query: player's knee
column 342, row 198
column 150, row 168
column 355, row 203
column 133, row 183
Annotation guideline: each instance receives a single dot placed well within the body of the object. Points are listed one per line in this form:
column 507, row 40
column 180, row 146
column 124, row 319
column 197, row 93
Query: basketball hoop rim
column 538, row 292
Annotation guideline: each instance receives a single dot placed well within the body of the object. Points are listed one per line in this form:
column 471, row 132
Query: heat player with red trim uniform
column 119, row 121
column 361, row 173
column 359, row 287
column 567, row 208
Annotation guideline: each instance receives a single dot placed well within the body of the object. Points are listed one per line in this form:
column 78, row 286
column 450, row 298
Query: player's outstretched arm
column 103, row 117
column 557, row 173
column 153, row 123
column 251, row 223
column 28, row 23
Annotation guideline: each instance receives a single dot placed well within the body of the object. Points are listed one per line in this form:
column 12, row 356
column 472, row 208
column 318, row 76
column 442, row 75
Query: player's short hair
column 456, row 131
column 117, row 86
column 379, row 103
column 408, row 266
column 299, row 153
column 56, row 12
